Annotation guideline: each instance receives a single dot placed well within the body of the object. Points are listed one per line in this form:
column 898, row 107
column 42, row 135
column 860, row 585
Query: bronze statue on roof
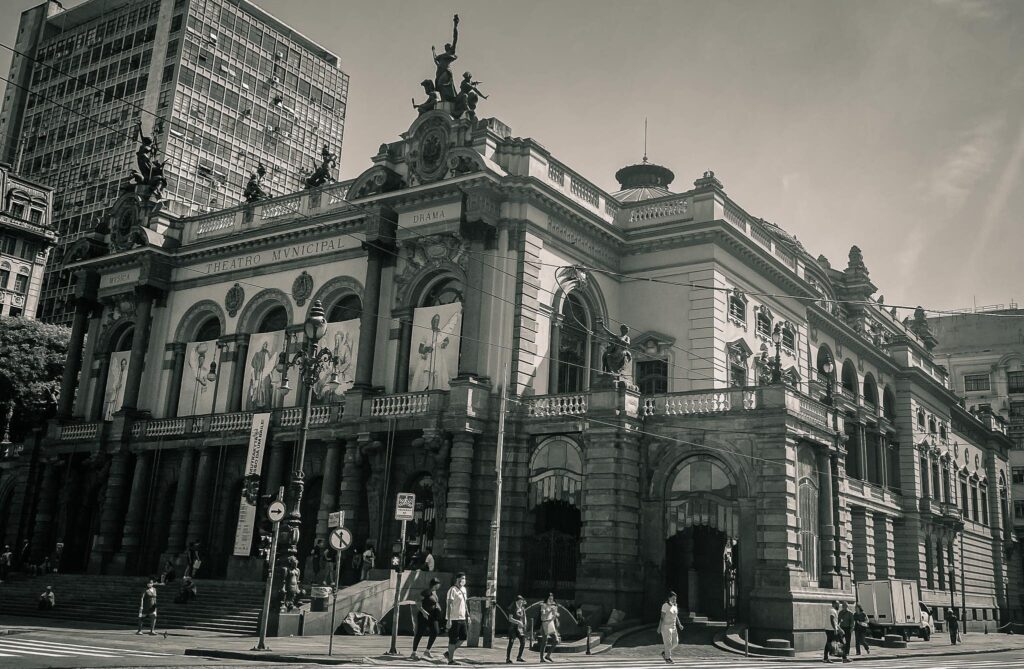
column 150, row 172
column 254, row 188
column 444, row 82
column 322, row 173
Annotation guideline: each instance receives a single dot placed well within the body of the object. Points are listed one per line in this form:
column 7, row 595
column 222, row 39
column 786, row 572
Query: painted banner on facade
column 251, row 484
column 434, row 358
column 117, row 377
column 197, row 388
column 342, row 339
column 262, row 390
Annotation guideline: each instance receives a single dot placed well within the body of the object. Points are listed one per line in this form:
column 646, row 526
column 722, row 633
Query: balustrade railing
column 659, row 210
column 400, row 405
column 230, row 422
column 165, row 427
column 574, row 404
column 76, row 431
column 700, row 402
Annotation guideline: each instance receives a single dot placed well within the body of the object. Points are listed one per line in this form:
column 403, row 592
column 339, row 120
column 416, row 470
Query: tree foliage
column 32, row 359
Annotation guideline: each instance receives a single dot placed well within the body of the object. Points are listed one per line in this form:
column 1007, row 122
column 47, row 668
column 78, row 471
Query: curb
column 267, row 656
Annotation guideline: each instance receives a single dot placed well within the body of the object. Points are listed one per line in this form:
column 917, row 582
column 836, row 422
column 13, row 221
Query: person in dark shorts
column 428, row 619
column 516, row 628
column 458, row 616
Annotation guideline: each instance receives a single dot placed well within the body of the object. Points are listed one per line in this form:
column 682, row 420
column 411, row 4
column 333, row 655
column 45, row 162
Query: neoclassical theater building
column 778, row 433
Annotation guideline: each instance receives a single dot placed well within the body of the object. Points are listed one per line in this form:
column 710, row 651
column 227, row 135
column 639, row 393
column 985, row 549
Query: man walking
column 953, row 624
column 458, row 616
column 846, row 625
column 832, row 632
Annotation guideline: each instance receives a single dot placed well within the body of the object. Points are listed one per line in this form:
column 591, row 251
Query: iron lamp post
column 310, row 361
column 827, row 369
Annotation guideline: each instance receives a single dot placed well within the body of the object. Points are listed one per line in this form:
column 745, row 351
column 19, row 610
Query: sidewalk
column 938, row 646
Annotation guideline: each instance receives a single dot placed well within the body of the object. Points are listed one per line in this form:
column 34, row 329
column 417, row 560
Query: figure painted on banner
column 115, row 395
column 199, row 372
column 443, row 80
column 433, row 372
column 341, row 371
column 261, row 387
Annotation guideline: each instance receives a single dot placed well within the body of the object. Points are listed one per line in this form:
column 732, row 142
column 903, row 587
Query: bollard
column 529, row 636
column 746, row 642
column 588, row 639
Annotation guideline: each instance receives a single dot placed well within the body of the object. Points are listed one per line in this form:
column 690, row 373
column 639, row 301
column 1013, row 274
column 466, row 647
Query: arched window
column 807, row 510
column 888, row 404
column 983, row 489
column 123, row 342
column 556, row 472
column 274, row 320
column 446, row 291
column 703, row 475
column 870, row 391
column 573, row 345
column 210, row 329
column 849, row 379
column 347, row 308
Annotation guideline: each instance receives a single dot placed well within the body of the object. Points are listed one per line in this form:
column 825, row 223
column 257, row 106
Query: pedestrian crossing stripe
column 925, row 661
column 44, row 648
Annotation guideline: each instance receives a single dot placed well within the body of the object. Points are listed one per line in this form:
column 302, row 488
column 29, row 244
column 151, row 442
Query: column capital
column 175, row 347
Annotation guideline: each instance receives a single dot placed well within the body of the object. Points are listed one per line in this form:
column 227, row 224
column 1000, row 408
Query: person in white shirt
column 670, row 627
column 458, row 616
column 428, row 561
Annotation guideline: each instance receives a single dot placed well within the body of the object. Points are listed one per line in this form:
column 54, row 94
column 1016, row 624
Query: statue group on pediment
column 150, row 172
column 442, row 88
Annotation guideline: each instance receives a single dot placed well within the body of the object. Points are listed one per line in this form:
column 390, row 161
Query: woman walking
column 516, row 629
column 860, row 629
column 670, row 627
column 548, row 627
column 147, row 607
column 428, row 619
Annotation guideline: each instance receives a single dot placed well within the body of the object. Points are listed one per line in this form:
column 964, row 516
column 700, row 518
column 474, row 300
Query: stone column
column 882, row 549
column 460, row 481
column 276, row 469
column 470, row 346
column 351, row 490
column 237, row 386
column 826, row 516
column 368, row 319
column 329, row 488
column 556, row 336
column 610, row 541
column 404, row 345
column 96, row 411
column 177, row 350
column 883, row 461
column 182, row 505
column 46, row 512
column 140, row 346
column 862, row 451
column 199, row 516
column 135, row 518
column 112, row 515
column 859, row 518
column 73, row 366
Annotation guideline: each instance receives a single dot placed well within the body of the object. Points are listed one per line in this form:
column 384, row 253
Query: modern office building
column 221, row 84
column 26, row 236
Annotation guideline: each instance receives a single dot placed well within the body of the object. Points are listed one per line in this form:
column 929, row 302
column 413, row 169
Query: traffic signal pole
column 398, row 593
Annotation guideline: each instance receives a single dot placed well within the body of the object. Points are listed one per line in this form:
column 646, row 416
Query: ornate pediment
column 374, row 181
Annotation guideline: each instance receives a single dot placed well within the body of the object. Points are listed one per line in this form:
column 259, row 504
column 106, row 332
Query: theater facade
column 775, row 433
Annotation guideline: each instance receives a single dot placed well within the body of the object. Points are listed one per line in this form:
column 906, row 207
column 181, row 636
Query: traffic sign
column 340, row 539
column 336, row 519
column 275, row 511
column 405, row 506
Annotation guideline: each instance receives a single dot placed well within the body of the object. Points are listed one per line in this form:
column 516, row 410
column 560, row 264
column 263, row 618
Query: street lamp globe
column 828, row 367
column 316, row 324
column 777, row 335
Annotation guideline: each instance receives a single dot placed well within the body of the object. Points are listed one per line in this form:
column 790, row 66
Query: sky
column 895, row 126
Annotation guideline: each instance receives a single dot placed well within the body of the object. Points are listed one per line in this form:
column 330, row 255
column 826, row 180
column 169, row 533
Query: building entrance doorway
column 700, row 566
column 552, row 554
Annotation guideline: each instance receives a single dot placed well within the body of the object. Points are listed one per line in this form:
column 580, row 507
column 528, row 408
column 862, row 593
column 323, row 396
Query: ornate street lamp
column 777, row 364
column 827, row 369
column 310, row 361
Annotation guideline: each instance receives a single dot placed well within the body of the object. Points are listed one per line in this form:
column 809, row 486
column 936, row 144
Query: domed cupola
column 643, row 182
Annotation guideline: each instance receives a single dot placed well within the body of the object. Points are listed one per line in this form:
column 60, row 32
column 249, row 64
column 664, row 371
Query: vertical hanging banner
column 117, row 376
column 198, row 381
column 251, row 484
column 434, row 358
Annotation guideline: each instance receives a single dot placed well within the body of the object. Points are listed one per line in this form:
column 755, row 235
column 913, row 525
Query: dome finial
column 645, row 140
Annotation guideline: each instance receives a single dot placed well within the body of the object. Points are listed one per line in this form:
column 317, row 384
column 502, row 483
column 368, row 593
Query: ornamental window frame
column 764, row 322
column 737, row 308
column 738, row 355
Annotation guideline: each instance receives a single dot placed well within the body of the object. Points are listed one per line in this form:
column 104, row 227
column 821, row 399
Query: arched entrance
column 701, row 549
column 552, row 553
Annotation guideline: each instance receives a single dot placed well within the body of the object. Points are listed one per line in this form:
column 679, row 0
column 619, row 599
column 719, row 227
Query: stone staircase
column 228, row 607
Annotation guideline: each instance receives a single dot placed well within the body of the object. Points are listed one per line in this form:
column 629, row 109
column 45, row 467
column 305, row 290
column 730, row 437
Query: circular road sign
column 275, row 511
column 340, row 539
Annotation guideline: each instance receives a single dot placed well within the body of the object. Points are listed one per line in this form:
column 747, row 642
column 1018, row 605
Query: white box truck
column 893, row 606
